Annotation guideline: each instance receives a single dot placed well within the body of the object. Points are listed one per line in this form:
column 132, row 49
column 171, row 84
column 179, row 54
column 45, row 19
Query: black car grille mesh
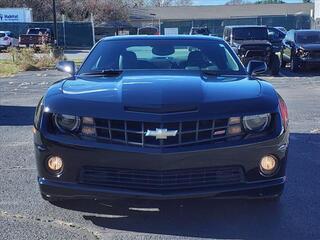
column 188, row 132
column 161, row 181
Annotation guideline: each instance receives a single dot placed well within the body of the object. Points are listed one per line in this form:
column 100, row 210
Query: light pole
column 55, row 29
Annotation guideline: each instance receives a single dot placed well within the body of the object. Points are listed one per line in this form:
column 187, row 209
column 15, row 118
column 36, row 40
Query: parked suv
column 252, row 43
column 7, row 39
column 301, row 47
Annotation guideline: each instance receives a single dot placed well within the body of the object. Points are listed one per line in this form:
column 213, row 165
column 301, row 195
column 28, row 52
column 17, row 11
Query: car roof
column 163, row 37
column 246, row 26
column 5, row 32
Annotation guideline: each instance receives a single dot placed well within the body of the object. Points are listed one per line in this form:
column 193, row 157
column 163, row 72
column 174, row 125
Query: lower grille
column 161, row 181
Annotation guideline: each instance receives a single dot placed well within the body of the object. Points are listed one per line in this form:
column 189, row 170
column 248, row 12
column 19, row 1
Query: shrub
column 30, row 59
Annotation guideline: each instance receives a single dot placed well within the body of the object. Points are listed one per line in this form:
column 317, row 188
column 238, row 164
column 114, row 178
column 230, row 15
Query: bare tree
column 161, row 3
column 237, row 2
column 166, row 3
column 183, row 2
column 269, row 1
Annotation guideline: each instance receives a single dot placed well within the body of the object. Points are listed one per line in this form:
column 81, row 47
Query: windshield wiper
column 105, row 72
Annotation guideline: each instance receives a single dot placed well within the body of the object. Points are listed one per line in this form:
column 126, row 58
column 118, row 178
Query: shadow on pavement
column 295, row 216
column 16, row 115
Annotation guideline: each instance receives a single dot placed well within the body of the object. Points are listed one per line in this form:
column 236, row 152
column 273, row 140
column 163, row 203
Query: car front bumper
column 310, row 60
column 69, row 185
column 3, row 46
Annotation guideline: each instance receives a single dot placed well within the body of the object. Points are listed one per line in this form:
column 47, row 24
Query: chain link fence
column 70, row 34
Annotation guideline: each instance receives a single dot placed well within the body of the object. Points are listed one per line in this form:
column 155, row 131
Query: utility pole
column 55, row 29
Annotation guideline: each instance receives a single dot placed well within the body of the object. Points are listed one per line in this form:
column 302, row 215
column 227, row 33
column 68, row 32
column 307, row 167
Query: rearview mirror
column 256, row 67
column 67, row 67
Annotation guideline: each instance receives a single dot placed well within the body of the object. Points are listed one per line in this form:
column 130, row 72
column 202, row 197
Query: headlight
column 66, row 123
column 302, row 53
column 38, row 114
column 256, row 123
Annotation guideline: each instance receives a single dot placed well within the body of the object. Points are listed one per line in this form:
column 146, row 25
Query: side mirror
column 66, row 66
column 256, row 67
column 227, row 39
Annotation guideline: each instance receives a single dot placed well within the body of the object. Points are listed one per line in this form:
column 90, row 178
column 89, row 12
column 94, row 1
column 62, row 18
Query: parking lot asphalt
column 24, row 215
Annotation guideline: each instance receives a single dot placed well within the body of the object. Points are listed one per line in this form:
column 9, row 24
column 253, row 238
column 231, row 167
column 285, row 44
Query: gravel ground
column 24, row 215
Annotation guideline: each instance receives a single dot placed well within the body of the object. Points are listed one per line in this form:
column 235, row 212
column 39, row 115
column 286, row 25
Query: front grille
column 161, row 181
column 188, row 132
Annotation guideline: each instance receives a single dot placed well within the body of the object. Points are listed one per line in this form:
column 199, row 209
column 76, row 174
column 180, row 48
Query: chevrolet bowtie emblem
column 161, row 133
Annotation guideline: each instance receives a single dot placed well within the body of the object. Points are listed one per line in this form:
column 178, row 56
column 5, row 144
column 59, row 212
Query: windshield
column 200, row 31
column 37, row 31
column 2, row 35
column 148, row 31
column 160, row 54
column 250, row 33
column 308, row 37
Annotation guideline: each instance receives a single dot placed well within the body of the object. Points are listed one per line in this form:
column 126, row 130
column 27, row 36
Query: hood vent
column 162, row 109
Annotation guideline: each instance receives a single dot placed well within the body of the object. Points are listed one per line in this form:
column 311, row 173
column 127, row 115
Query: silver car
column 7, row 39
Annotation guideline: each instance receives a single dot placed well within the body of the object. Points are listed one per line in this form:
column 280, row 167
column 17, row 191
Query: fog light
column 268, row 164
column 55, row 164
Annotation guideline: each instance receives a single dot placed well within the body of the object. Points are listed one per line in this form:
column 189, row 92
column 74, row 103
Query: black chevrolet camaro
column 161, row 117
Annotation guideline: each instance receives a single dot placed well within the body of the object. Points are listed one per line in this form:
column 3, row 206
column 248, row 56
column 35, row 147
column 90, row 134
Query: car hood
column 161, row 94
column 310, row 47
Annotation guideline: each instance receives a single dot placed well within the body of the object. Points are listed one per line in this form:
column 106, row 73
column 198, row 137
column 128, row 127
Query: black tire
column 275, row 64
column 294, row 64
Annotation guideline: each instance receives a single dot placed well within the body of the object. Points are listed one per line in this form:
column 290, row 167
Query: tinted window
column 38, row 31
column 308, row 37
column 276, row 34
column 2, row 35
column 148, row 31
column 162, row 54
column 289, row 36
column 250, row 33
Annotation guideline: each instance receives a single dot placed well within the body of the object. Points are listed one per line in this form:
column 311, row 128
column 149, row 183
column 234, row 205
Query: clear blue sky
column 218, row 2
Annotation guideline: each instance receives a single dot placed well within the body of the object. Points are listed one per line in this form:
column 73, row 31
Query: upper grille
column 188, row 132
column 161, row 181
